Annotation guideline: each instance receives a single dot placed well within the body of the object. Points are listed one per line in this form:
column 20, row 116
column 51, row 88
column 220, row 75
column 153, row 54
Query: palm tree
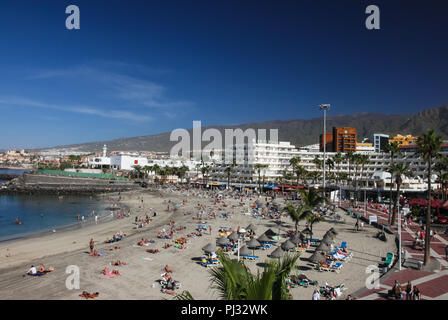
column 234, row 280
column 300, row 171
column 338, row 159
column 138, row 169
column 441, row 167
column 312, row 219
column 398, row 170
column 294, row 162
column 393, row 149
column 258, row 167
column 297, row 214
column 356, row 161
column 429, row 146
column 349, row 158
column 363, row 160
column 228, row 171
column 312, row 198
column 330, row 165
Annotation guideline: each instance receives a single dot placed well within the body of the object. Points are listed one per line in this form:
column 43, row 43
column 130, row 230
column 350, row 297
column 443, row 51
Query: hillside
column 299, row 131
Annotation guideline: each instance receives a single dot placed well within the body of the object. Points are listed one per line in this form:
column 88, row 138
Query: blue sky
column 146, row 67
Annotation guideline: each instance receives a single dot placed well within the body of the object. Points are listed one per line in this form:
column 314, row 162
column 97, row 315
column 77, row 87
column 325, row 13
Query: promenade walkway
column 432, row 285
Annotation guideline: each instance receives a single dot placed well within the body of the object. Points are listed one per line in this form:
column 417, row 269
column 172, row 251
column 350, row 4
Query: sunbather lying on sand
column 114, row 248
column 153, row 250
column 118, row 263
column 167, row 269
column 110, row 274
column 88, row 295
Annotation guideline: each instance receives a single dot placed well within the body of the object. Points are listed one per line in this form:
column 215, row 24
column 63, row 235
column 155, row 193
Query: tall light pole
column 399, row 232
column 324, row 107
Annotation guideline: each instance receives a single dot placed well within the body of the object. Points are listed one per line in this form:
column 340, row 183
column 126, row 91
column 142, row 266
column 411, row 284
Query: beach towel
column 147, row 259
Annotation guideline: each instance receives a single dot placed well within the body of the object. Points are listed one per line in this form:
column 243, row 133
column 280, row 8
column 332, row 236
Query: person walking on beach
column 409, row 291
column 92, row 245
column 96, row 219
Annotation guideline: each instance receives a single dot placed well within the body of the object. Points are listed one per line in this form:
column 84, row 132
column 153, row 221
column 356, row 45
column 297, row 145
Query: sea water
column 43, row 213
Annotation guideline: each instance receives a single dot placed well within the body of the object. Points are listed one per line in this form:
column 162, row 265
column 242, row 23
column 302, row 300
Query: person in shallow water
column 18, row 221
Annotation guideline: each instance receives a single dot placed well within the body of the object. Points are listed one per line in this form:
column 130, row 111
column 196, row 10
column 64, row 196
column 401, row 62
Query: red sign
column 135, row 161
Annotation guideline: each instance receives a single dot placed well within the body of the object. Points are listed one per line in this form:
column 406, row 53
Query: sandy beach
column 139, row 277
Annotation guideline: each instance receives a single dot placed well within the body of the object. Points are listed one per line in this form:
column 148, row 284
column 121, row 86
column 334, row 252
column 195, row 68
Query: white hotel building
column 374, row 175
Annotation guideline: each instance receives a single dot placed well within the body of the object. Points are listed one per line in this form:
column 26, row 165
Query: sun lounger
column 389, row 259
column 343, row 245
column 248, row 257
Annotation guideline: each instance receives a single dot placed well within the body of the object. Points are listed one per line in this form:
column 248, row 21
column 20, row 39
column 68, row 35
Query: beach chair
column 248, row 257
column 314, row 241
column 343, row 245
column 336, row 267
column 389, row 259
column 205, row 263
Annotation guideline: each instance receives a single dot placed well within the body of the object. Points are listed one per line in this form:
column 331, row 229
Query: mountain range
column 299, row 132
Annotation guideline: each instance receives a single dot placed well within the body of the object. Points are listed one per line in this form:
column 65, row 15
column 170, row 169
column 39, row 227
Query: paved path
column 432, row 285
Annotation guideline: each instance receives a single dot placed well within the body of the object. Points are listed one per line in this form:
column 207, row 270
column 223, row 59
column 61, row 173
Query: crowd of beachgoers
column 170, row 236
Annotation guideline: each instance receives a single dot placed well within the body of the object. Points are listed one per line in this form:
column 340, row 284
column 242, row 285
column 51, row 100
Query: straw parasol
column 264, row 238
column 317, row 257
column 323, row 247
column 253, row 244
column 328, row 241
column 270, row 233
column 233, row 236
column 333, row 231
column 296, row 238
column 251, row 227
column 287, row 245
column 307, row 232
column 277, row 253
column 209, row 248
column 244, row 251
column 222, row 241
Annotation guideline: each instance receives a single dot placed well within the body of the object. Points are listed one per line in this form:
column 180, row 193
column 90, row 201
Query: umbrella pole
column 238, row 248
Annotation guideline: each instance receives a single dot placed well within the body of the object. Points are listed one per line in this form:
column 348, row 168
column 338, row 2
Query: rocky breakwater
column 38, row 183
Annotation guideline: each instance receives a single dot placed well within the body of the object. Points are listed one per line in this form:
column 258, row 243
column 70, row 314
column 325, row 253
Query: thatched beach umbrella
column 317, row 256
column 244, row 251
column 277, row 253
column 307, row 232
column 209, row 248
column 253, row 244
column 270, row 233
column 222, row 241
column 264, row 238
column 323, row 247
column 333, row 231
column 327, row 240
column 251, row 227
column 297, row 238
column 287, row 245
column 233, row 236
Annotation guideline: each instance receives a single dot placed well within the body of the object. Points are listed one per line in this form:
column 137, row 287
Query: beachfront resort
column 344, row 224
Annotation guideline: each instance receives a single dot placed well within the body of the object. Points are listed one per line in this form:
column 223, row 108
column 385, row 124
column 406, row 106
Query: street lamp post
column 399, row 233
column 324, row 107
